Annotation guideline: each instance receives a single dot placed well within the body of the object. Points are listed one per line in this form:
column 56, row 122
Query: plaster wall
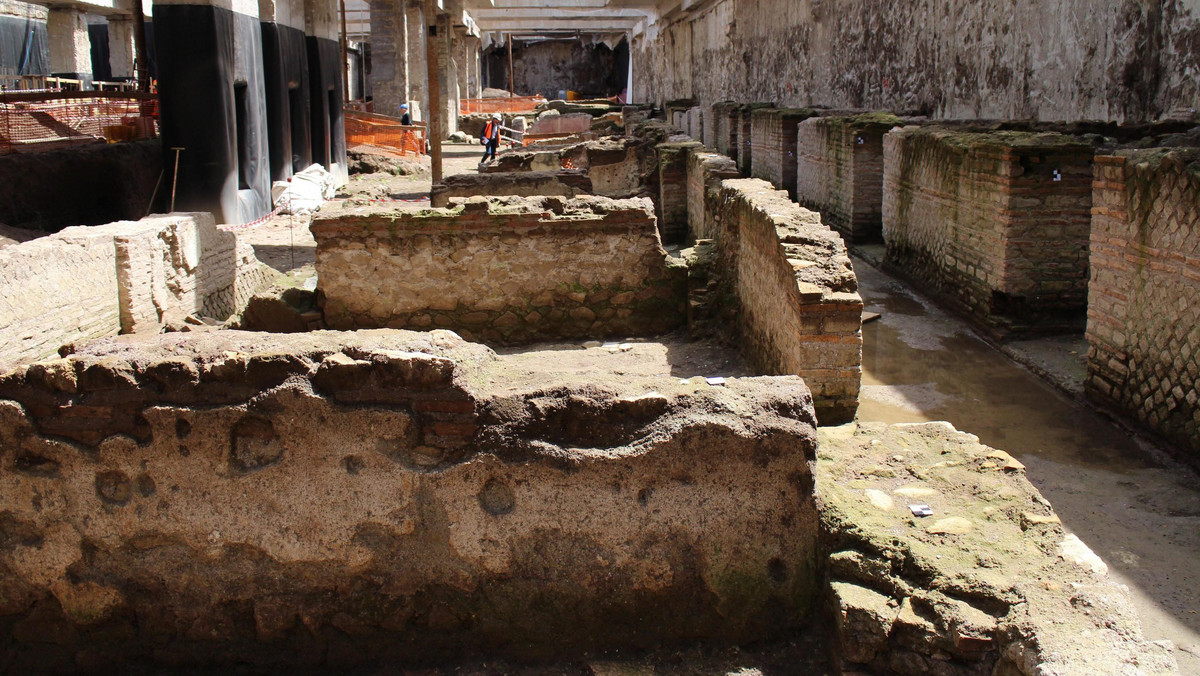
column 1001, row 59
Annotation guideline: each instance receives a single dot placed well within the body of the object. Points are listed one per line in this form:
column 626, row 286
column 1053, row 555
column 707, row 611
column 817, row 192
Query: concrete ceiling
column 556, row 17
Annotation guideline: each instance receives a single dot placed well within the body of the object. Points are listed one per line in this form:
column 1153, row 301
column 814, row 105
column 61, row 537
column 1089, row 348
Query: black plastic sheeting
column 101, row 65
column 285, row 71
column 212, row 105
column 24, row 47
column 328, row 124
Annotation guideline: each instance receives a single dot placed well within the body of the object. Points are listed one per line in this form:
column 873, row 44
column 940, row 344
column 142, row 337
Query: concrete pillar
column 447, row 39
column 121, row 51
column 70, row 47
column 212, row 104
column 417, row 33
column 389, row 55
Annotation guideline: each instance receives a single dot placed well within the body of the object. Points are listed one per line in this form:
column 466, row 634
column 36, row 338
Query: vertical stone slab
column 1143, row 307
column 213, row 104
column 673, row 193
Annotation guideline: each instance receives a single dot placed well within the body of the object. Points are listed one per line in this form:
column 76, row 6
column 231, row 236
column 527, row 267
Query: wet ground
column 1131, row 504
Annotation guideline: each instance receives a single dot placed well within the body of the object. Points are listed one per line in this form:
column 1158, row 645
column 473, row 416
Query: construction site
column 600, row 337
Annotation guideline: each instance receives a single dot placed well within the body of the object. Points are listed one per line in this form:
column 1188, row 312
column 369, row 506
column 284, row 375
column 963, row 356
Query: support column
column 70, row 47
column 389, row 55
column 418, row 93
column 448, row 73
column 212, row 104
column 121, row 50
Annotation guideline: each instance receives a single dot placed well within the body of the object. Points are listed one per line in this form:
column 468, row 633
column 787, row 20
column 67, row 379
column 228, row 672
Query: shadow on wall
column 87, row 185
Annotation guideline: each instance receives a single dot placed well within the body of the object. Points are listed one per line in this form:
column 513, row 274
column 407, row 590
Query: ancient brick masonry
column 743, row 135
column 773, row 146
column 839, row 172
column 125, row 277
column 502, row 270
column 800, row 312
column 726, row 119
column 997, row 223
column 347, row 499
column 705, row 172
column 673, row 194
column 565, row 183
column 1144, row 302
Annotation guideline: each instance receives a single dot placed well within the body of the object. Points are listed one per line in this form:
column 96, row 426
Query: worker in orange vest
column 490, row 139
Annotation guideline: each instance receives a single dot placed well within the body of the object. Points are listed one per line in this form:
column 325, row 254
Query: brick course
column 705, row 171
column 773, row 145
column 800, row 311
column 726, row 119
column 501, row 270
column 125, row 277
column 997, row 223
column 1144, row 297
column 839, row 172
column 673, row 193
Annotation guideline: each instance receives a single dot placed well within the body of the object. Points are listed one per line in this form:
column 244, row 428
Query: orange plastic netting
column 31, row 121
column 514, row 104
column 383, row 131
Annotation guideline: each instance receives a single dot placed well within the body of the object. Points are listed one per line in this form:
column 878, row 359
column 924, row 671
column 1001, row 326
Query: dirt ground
column 1133, row 506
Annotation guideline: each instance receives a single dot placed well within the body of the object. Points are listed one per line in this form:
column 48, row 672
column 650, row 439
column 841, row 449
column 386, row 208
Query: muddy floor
column 1130, row 503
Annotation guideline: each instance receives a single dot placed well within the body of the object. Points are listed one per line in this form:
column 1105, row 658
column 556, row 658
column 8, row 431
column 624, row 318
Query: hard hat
column 495, row 116
column 403, row 106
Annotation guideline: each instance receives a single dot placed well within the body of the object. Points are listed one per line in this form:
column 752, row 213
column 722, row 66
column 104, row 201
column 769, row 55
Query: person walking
column 490, row 139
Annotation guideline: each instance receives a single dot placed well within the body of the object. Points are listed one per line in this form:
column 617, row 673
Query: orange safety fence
column 509, row 104
column 383, row 131
column 43, row 120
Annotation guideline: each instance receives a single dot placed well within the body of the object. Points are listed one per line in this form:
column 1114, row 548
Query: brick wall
column 565, row 183
column 673, row 193
column 126, row 277
column 773, row 145
column 839, row 172
column 726, row 118
column 695, row 123
column 800, row 312
column 501, row 270
column 744, row 128
column 1144, row 298
column 996, row 223
column 705, row 171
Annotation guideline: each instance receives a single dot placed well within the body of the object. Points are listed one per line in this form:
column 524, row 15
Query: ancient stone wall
column 990, row 583
column 705, row 172
column 1051, row 60
column 672, row 207
column 134, row 276
column 504, row 270
column 564, row 183
column 800, row 312
column 342, row 500
column 613, row 164
column 839, row 172
column 1144, row 297
column 995, row 222
column 773, row 146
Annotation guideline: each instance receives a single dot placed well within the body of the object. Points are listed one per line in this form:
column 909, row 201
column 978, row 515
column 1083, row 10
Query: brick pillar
column 389, row 55
column 448, row 72
column 120, row 47
column 70, row 48
column 418, row 95
column 673, row 193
